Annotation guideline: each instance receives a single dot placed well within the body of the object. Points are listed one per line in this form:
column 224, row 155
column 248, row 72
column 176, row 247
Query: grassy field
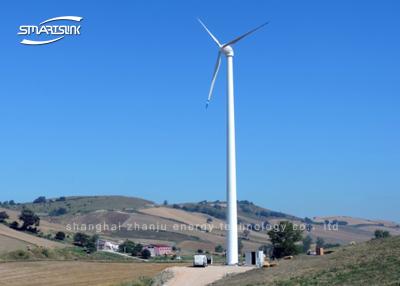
column 77, row 273
column 376, row 262
column 67, row 253
column 26, row 238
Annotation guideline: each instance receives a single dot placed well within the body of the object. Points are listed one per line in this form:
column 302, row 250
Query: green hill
column 85, row 204
column 376, row 262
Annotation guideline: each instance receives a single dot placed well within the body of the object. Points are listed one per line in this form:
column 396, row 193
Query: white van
column 199, row 260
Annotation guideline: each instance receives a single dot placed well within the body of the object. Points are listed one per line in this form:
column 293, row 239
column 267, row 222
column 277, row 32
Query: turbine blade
column 244, row 35
column 214, row 77
column 211, row 35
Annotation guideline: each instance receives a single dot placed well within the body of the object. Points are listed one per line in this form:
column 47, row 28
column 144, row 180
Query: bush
column 307, row 241
column 381, row 233
column 14, row 225
column 60, row 235
column 81, row 239
column 146, row 254
column 320, row 242
column 3, row 216
column 127, row 246
column 219, row 248
column 137, row 250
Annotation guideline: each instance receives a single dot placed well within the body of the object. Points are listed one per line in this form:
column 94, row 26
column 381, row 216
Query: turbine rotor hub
column 228, row 51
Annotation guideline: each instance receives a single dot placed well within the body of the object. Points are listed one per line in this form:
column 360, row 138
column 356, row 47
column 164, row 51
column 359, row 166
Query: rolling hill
column 188, row 226
column 376, row 262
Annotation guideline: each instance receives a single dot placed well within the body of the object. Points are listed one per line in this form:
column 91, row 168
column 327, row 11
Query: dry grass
column 11, row 244
column 30, row 239
column 60, row 273
column 376, row 262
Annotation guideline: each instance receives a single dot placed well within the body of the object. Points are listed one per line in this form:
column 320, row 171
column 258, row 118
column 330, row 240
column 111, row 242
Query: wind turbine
column 226, row 49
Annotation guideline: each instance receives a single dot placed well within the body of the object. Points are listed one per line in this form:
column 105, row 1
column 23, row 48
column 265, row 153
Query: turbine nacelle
column 227, row 51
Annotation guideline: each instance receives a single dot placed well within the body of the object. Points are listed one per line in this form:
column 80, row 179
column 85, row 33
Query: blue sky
column 120, row 109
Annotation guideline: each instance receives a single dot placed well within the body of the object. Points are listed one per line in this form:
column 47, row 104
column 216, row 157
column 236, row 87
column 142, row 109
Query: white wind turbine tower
column 232, row 235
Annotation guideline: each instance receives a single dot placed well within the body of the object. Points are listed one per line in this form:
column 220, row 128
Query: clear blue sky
column 120, row 110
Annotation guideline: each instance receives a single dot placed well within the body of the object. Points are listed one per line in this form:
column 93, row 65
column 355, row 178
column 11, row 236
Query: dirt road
column 197, row 276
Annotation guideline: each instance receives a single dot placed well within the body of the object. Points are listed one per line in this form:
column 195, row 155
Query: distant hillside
column 57, row 213
column 376, row 262
column 85, row 204
column 247, row 211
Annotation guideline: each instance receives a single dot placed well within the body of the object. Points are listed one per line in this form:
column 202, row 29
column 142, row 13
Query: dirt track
column 197, row 276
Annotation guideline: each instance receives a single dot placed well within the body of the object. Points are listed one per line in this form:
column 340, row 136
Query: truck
column 199, row 260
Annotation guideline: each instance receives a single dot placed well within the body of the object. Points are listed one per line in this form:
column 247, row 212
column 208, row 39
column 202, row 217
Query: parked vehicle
column 199, row 260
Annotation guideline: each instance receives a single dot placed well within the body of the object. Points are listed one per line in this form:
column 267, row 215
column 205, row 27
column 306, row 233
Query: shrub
column 3, row 216
column 127, row 246
column 320, row 242
column 146, row 254
column 14, row 225
column 381, row 233
column 60, row 235
column 307, row 241
column 219, row 248
column 81, row 239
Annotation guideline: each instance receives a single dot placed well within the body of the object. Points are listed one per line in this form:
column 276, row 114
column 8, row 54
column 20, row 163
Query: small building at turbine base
column 255, row 258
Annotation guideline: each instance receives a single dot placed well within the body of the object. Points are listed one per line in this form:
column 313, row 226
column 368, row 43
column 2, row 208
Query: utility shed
column 255, row 258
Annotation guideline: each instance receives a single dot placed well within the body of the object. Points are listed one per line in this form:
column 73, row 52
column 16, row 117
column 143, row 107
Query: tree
column 320, row 242
column 60, row 235
column 81, row 239
column 29, row 219
column 3, row 216
column 308, row 220
column 284, row 239
column 86, row 241
column 219, row 248
column 381, row 233
column 11, row 203
column 146, row 254
column 127, row 246
column 240, row 245
column 137, row 250
column 91, row 244
column 307, row 241
column 40, row 200
column 165, row 203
